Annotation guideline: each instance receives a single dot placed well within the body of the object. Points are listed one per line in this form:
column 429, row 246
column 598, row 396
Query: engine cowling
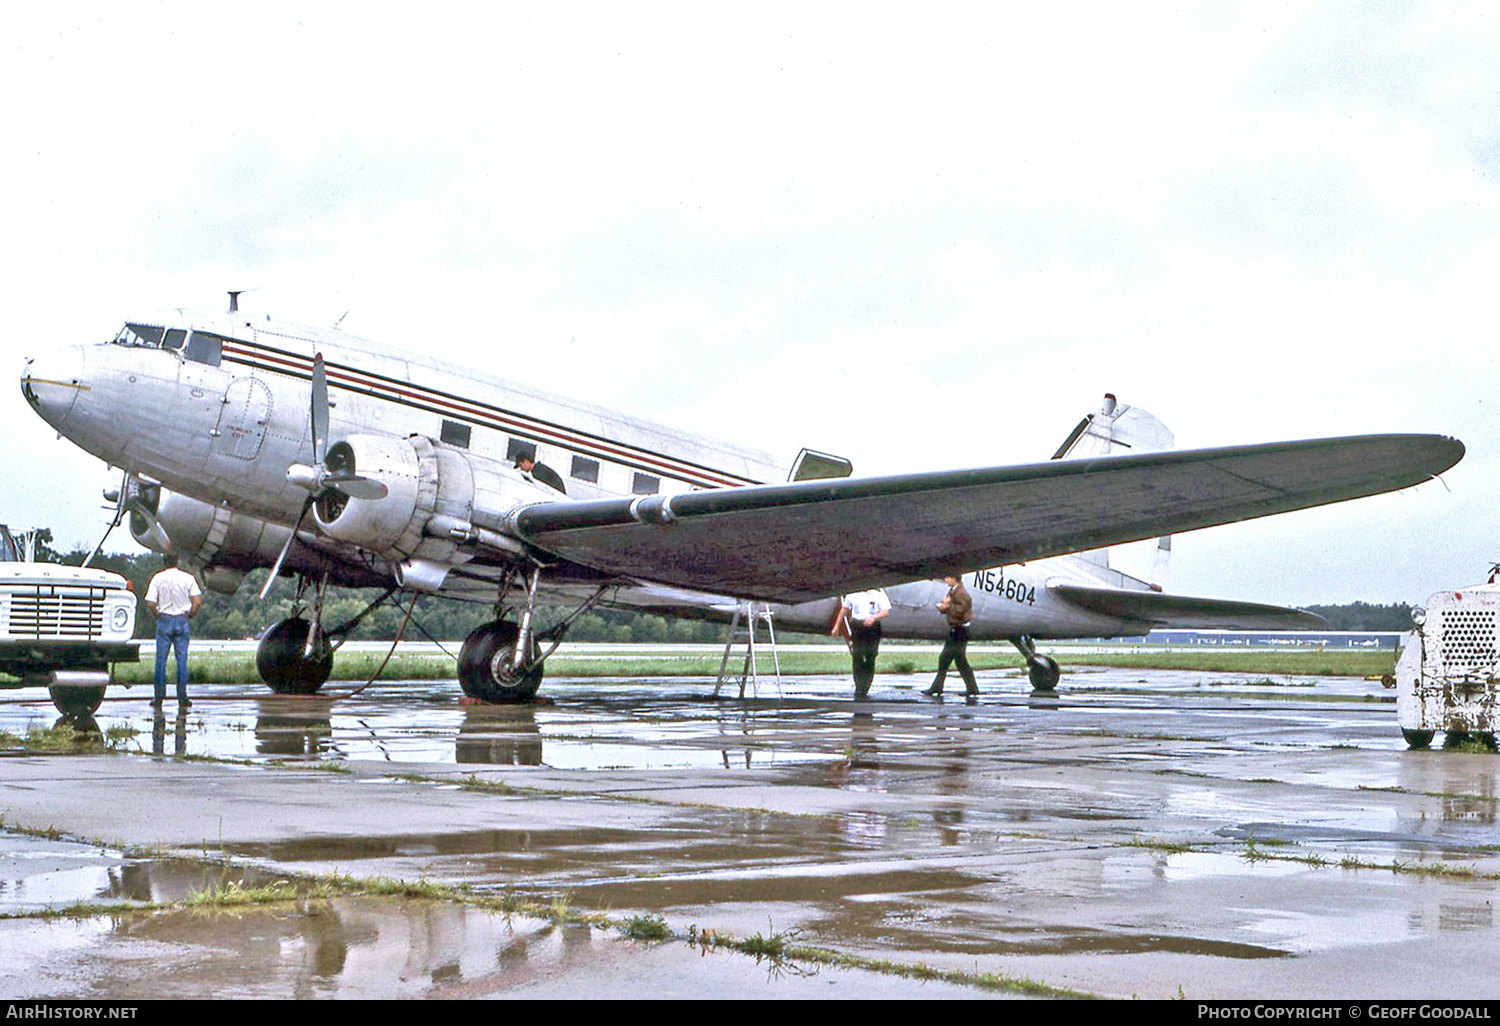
column 222, row 542
column 224, row 545
column 439, row 502
column 438, row 499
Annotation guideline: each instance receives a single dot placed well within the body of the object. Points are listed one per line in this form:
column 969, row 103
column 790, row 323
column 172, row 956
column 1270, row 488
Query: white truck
column 1448, row 671
column 62, row 627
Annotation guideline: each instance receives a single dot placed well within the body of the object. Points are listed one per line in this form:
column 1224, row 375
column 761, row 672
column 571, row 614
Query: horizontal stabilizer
column 794, row 542
column 1154, row 609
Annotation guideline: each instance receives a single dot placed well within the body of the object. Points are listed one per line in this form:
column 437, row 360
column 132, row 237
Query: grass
column 67, row 739
column 646, row 928
column 239, row 667
column 1255, row 851
column 783, row 954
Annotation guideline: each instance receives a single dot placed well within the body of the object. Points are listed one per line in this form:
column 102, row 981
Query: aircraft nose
column 51, row 383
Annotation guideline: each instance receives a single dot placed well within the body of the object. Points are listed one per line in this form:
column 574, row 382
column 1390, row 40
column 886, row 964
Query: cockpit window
column 201, row 347
column 205, row 347
column 140, row 335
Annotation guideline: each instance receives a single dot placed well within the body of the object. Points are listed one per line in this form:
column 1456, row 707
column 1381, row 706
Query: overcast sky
column 922, row 236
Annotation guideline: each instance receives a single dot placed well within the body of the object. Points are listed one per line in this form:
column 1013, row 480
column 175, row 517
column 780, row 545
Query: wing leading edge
column 800, row 541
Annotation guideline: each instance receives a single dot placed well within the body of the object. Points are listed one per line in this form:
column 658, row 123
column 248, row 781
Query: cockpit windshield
column 205, row 346
column 140, row 335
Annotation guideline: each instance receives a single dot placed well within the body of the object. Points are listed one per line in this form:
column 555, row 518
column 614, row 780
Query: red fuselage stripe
column 265, row 358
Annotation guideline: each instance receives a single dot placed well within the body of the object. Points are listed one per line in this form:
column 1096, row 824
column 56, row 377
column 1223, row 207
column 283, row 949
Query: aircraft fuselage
column 216, row 409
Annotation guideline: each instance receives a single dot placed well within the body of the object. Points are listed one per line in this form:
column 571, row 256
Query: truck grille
column 54, row 612
column 1467, row 644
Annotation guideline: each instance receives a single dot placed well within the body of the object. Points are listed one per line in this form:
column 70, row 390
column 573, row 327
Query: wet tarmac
column 1143, row 833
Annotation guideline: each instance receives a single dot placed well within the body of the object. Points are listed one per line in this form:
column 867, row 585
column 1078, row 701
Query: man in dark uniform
column 540, row 472
column 956, row 605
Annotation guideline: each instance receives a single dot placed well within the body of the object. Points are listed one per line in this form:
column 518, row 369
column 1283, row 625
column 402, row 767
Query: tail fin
column 1116, row 430
column 1119, row 430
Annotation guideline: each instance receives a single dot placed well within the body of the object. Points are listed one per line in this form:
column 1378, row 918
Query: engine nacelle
column 224, row 543
column 439, row 498
column 377, row 525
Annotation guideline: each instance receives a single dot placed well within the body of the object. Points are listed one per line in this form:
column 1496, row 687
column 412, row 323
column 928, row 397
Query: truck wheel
column 1417, row 739
column 77, row 702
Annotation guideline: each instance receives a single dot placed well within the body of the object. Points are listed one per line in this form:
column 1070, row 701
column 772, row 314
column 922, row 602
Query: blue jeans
column 172, row 633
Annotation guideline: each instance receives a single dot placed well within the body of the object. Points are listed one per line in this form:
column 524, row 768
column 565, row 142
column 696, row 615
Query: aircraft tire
column 1044, row 673
column 1417, row 739
column 482, row 664
column 77, row 702
column 281, row 664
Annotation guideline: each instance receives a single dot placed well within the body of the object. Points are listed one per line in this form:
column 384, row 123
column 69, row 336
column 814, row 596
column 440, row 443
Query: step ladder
column 742, row 631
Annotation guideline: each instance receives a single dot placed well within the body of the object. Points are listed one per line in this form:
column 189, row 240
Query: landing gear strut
column 294, row 657
column 502, row 661
column 1042, row 669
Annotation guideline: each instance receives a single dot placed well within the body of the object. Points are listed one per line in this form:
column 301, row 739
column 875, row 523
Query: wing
column 1154, row 609
column 806, row 540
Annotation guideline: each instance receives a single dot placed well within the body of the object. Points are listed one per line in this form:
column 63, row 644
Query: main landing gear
column 489, row 668
column 1042, row 669
column 295, row 656
column 502, row 661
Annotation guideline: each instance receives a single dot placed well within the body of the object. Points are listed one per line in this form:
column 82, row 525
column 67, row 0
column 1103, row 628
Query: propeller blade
column 319, row 409
column 112, row 525
column 117, row 496
column 358, row 487
column 155, row 534
column 281, row 556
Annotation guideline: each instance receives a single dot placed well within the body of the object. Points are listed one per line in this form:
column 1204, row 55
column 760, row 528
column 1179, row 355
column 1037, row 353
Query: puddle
column 371, row 949
column 38, row 874
column 974, row 835
column 436, row 729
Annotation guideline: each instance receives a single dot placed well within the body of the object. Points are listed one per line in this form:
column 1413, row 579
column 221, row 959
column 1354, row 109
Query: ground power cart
column 1449, row 668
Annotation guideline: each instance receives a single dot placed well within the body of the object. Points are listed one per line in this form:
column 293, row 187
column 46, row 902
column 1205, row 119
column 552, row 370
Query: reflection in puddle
column 1316, row 931
column 1199, row 865
column 992, row 831
column 435, row 729
column 38, row 873
column 341, row 948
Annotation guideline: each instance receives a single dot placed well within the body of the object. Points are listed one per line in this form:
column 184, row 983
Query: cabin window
column 517, row 447
column 645, row 484
column 205, row 347
column 585, row 470
column 174, row 339
column 454, row 433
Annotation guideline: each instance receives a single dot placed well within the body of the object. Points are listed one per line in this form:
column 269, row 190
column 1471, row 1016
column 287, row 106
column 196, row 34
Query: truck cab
column 62, row 627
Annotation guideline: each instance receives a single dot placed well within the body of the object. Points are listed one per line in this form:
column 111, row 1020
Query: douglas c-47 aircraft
column 247, row 442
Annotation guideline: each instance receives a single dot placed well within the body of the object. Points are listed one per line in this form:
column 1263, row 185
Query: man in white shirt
column 174, row 596
column 861, row 614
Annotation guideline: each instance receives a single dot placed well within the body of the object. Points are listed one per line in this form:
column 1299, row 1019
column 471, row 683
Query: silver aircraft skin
column 247, row 442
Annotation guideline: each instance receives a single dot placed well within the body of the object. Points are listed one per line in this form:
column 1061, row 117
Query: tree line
column 244, row 615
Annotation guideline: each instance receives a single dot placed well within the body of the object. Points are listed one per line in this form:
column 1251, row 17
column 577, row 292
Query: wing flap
column 1155, row 609
column 800, row 541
